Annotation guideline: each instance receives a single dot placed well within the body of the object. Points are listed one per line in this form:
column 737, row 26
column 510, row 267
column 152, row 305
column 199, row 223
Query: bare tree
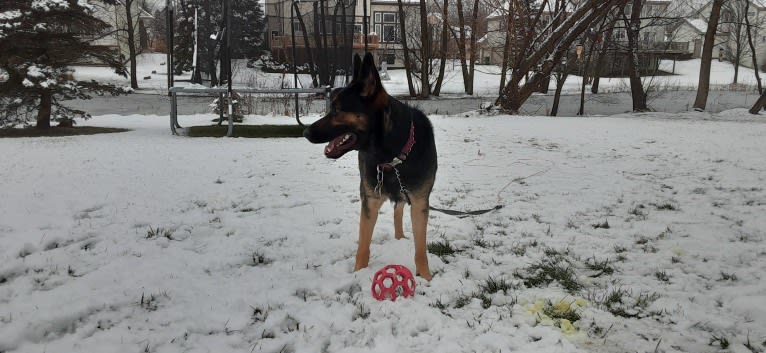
column 562, row 72
column 589, row 41
column 467, row 57
column 605, row 44
column 473, row 48
column 707, row 56
column 506, row 45
column 561, row 76
column 541, row 50
column 749, row 31
column 425, row 48
column 405, row 48
column 129, row 24
column 633, row 26
column 443, row 48
column 422, row 41
column 307, row 45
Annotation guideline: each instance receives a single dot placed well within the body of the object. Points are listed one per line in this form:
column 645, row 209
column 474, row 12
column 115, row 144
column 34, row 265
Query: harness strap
column 387, row 167
column 403, row 154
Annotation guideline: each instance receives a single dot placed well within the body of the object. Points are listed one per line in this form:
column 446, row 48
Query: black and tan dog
column 397, row 155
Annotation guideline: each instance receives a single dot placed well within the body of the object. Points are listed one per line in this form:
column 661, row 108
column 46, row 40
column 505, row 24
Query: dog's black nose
column 306, row 133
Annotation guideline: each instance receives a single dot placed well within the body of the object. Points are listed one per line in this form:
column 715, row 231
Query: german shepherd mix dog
column 397, row 155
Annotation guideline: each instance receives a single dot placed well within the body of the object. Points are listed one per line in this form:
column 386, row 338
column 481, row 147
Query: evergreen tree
column 39, row 41
column 183, row 44
column 248, row 25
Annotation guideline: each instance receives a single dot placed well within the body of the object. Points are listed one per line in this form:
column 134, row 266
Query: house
column 731, row 43
column 654, row 42
column 688, row 35
column 492, row 43
column 114, row 14
column 342, row 30
column 294, row 30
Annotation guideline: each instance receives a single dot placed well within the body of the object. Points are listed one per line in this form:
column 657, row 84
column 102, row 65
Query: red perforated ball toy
column 393, row 281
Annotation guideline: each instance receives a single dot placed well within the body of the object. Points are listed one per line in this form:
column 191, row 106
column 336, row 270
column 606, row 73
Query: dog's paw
column 426, row 276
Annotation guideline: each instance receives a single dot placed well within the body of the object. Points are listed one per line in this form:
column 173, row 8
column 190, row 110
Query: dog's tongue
column 340, row 145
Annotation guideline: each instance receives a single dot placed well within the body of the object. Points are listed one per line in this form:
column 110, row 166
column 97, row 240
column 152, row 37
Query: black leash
column 463, row 214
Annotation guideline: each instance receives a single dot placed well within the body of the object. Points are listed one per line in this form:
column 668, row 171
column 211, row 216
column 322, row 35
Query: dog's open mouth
column 340, row 145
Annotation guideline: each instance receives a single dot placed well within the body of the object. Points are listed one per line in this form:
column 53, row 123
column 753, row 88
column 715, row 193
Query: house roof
column 698, row 24
column 497, row 13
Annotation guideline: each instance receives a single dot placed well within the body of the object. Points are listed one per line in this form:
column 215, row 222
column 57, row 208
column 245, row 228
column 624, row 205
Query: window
column 386, row 26
column 390, row 59
column 358, row 28
column 296, row 26
column 619, row 34
column 389, row 33
column 649, row 37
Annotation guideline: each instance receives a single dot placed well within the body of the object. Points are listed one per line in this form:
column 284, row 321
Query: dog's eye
column 358, row 116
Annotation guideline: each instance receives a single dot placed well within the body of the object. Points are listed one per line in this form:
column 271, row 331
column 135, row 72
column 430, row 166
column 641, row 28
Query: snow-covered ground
column 629, row 233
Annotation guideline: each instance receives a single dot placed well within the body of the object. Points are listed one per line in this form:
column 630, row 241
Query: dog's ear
column 368, row 76
column 357, row 67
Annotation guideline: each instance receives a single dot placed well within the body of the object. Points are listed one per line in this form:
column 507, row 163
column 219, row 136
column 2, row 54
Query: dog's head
column 349, row 123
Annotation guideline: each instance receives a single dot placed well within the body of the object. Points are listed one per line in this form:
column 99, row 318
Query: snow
column 685, row 77
column 48, row 5
column 144, row 241
column 10, row 15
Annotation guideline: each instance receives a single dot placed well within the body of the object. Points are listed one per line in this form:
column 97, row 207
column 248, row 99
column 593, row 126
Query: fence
column 174, row 91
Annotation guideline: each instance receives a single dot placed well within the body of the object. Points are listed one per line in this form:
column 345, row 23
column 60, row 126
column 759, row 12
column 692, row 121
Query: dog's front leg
column 419, row 214
column 398, row 220
column 368, row 217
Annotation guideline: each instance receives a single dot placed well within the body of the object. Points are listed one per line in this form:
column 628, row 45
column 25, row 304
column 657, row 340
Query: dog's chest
column 387, row 182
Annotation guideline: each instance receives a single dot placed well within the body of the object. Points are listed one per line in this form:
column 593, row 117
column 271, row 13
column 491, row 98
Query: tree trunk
column 324, row 69
column 636, row 86
column 44, row 113
column 131, row 43
column 560, row 38
column 461, row 45
column 425, row 44
column 319, row 43
column 560, row 79
column 506, row 47
column 196, row 72
column 443, row 49
column 752, row 49
column 333, row 52
column 759, row 104
column 472, row 57
column 601, row 58
column 707, row 57
column 405, row 50
column 738, row 50
column 307, row 44
column 592, row 48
